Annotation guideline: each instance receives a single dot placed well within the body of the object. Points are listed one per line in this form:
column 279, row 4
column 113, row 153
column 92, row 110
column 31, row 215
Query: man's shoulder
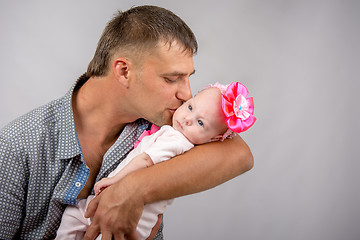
column 38, row 119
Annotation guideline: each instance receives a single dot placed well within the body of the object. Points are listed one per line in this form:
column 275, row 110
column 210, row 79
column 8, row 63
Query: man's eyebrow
column 178, row 74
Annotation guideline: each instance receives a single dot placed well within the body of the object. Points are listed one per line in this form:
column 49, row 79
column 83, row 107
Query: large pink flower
column 238, row 108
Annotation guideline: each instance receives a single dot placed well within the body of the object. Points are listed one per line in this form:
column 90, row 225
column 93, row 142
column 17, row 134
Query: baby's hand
column 100, row 185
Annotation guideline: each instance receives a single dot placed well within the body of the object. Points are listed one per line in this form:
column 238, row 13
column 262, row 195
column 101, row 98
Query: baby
column 213, row 114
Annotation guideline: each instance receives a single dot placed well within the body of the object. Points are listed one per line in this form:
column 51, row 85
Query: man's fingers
column 92, row 232
column 133, row 235
column 115, row 217
column 91, row 209
column 107, row 235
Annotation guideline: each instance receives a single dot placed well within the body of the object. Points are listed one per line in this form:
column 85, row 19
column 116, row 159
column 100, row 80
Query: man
column 53, row 156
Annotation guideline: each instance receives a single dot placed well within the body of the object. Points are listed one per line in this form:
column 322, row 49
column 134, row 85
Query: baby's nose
column 188, row 121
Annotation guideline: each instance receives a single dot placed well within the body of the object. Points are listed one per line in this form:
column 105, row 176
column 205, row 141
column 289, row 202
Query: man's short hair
column 137, row 31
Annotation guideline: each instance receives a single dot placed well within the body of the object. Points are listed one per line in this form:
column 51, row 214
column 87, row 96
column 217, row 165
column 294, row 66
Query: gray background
column 300, row 62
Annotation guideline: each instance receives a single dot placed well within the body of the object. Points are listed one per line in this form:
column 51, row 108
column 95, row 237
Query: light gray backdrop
column 300, row 62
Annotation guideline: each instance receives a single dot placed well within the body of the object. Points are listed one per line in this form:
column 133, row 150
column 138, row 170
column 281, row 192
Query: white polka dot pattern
column 41, row 169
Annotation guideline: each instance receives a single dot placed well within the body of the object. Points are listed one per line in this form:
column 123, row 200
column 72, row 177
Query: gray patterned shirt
column 41, row 169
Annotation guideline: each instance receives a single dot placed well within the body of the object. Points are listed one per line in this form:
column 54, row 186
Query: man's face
column 163, row 83
column 201, row 119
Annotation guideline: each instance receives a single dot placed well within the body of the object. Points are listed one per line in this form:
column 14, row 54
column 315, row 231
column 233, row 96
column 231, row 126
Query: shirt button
column 78, row 184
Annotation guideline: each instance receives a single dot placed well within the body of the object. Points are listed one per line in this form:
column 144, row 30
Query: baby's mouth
column 179, row 124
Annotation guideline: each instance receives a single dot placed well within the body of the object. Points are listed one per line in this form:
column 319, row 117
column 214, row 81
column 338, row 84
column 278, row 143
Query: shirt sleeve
column 12, row 191
column 168, row 145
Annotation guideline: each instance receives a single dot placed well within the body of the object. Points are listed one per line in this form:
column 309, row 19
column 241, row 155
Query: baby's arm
column 142, row 160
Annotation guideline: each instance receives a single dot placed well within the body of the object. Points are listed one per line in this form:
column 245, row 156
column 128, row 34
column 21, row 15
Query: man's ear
column 216, row 138
column 121, row 69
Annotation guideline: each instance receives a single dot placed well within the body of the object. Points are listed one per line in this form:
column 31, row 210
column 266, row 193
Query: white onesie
column 160, row 146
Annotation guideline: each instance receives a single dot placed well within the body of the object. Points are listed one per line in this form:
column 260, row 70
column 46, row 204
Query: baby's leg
column 73, row 223
column 149, row 217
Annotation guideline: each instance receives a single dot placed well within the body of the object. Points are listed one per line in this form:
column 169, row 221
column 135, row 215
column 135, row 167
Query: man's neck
column 97, row 118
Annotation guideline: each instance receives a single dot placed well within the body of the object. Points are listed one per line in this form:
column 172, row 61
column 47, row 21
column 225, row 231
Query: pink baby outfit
column 160, row 146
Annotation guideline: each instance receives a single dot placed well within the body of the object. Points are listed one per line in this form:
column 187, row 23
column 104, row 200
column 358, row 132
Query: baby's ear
column 216, row 138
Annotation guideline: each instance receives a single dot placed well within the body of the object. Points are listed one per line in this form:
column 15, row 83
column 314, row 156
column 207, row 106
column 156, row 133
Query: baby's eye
column 200, row 123
column 190, row 107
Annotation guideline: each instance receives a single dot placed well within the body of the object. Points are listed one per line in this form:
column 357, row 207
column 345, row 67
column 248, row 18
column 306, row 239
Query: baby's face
column 201, row 119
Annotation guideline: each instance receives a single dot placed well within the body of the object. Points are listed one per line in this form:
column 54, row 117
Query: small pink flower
column 145, row 133
column 237, row 108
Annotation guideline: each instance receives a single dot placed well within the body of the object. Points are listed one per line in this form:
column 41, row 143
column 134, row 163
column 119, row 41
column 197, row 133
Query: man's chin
column 165, row 123
column 162, row 122
column 167, row 118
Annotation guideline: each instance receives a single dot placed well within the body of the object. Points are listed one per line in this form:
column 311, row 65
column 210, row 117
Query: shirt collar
column 123, row 145
column 67, row 146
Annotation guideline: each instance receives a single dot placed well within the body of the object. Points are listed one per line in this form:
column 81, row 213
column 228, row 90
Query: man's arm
column 12, row 191
column 201, row 168
column 118, row 209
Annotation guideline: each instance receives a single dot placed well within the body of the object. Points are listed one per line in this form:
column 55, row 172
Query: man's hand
column 116, row 213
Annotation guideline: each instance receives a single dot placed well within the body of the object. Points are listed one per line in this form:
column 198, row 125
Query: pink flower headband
column 238, row 109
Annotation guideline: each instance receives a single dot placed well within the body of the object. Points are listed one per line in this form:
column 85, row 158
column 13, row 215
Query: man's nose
column 184, row 91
